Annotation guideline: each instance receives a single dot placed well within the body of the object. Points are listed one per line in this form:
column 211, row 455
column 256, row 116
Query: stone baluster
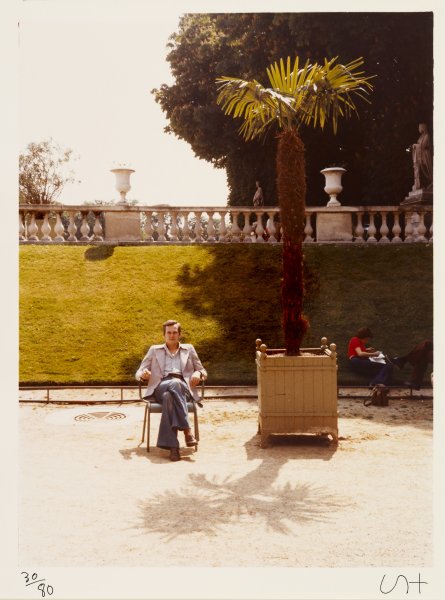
column 180, row 226
column 308, row 228
column 59, row 229
column 211, row 227
column 198, row 227
column 359, row 229
column 21, row 227
column 149, row 226
column 421, row 229
column 46, row 230
column 384, row 229
column 186, row 228
column 174, row 231
column 415, row 220
column 84, row 228
column 97, row 228
column 247, row 228
column 33, row 229
column 372, row 229
column 236, row 231
column 429, row 227
column 72, row 229
column 154, row 224
column 161, row 227
column 409, row 229
column 396, row 229
column 222, row 229
column 259, row 229
column 271, row 229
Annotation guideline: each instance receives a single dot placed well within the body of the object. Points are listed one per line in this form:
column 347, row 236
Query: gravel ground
column 90, row 494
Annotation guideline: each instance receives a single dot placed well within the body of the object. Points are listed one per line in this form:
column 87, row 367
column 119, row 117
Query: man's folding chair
column 151, row 406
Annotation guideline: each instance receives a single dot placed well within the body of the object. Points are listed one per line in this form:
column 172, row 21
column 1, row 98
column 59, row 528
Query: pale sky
column 86, row 70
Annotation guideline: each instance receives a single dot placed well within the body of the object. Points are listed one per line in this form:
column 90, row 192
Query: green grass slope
column 88, row 314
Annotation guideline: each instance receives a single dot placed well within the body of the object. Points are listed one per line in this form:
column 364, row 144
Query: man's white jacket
column 154, row 361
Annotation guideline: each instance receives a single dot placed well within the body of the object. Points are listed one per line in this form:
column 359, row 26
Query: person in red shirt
column 359, row 354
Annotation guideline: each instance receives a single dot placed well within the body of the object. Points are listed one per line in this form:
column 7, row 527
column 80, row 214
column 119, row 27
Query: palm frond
column 258, row 106
column 311, row 95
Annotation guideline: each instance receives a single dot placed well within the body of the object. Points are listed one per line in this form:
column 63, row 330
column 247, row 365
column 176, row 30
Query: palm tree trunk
column 291, row 187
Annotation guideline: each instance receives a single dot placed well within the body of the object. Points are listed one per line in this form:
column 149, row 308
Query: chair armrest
column 142, row 384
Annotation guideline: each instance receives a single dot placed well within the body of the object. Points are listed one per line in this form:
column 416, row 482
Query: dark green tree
column 397, row 47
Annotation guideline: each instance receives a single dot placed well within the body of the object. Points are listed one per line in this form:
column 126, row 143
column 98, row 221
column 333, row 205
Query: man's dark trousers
column 173, row 394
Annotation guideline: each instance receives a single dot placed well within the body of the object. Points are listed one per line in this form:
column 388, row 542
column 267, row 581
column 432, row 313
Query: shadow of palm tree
column 208, row 505
column 307, row 443
column 206, row 292
column 130, row 364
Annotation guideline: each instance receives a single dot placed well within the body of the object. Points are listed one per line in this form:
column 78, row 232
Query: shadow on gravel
column 209, row 504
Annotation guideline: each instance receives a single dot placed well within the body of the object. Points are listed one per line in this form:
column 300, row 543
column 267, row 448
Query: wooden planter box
column 297, row 394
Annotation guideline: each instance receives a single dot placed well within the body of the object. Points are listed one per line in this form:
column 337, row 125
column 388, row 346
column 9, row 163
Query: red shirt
column 354, row 343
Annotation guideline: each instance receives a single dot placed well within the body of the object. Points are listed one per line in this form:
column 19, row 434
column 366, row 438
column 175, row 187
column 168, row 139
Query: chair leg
column 148, row 428
column 195, row 419
column 143, row 427
column 196, row 426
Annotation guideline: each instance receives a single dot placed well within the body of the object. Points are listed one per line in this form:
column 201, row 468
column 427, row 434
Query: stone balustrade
column 117, row 224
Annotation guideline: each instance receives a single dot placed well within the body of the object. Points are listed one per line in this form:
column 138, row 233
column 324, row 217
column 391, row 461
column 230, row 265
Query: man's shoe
column 190, row 440
column 174, row 454
column 399, row 361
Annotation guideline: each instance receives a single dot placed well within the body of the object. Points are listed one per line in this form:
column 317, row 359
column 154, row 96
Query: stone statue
column 422, row 160
column 258, row 199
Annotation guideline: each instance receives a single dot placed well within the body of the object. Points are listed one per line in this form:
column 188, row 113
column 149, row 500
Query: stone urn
column 333, row 185
column 122, row 224
column 122, row 182
column 297, row 394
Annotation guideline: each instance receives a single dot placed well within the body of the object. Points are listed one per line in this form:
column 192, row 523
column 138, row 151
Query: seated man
column 172, row 370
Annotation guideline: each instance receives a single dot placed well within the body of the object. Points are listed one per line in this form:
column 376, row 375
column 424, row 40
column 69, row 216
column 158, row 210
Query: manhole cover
column 93, row 416
column 89, row 415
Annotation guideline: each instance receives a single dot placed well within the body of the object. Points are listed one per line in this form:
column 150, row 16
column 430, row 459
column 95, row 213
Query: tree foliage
column 43, row 172
column 397, row 47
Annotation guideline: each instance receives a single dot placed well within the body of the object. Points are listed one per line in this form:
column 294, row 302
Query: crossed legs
column 173, row 395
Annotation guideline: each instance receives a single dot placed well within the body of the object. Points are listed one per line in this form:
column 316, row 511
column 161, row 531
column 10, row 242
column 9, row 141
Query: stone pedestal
column 418, row 197
column 122, row 227
column 334, row 227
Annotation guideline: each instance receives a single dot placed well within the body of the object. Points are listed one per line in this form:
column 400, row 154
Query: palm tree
column 312, row 95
